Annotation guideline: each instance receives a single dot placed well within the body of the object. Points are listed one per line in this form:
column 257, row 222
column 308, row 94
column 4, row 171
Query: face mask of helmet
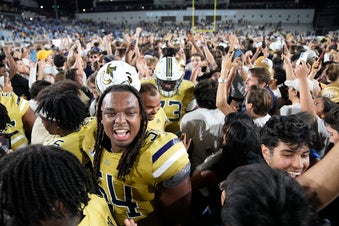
column 168, row 74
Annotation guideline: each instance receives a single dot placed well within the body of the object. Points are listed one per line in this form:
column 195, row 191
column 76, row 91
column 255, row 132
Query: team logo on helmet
column 331, row 92
column 169, row 73
column 116, row 73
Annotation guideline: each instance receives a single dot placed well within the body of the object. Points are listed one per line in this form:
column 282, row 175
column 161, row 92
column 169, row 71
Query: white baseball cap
column 295, row 84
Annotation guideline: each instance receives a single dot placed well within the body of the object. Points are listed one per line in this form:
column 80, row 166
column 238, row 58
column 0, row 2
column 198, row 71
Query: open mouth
column 121, row 134
column 294, row 174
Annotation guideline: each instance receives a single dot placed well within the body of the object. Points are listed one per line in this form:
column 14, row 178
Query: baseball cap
column 263, row 62
column 295, row 84
column 43, row 54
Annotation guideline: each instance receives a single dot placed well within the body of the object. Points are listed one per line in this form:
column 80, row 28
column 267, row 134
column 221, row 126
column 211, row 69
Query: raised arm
column 40, row 73
column 234, row 42
column 197, row 71
column 133, row 53
column 78, row 58
column 130, row 56
column 321, row 181
column 288, row 68
column 315, row 68
column 28, row 120
column 306, row 100
column 208, row 55
column 195, row 47
column 12, row 64
column 107, row 41
column 224, row 84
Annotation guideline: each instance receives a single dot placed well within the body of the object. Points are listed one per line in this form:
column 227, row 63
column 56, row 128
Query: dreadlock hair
column 4, row 117
column 61, row 86
column 64, row 107
column 34, row 179
column 129, row 156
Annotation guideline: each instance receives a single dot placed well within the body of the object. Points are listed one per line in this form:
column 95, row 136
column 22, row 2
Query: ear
column 249, row 105
column 265, row 153
column 249, row 109
column 295, row 93
column 262, row 85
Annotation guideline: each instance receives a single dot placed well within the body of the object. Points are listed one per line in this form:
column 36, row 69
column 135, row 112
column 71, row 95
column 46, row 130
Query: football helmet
column 169, row 73
column 332, row 92
column 114, row 73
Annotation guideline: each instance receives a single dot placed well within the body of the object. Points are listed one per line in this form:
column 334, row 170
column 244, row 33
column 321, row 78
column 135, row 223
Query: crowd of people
column 169, row 128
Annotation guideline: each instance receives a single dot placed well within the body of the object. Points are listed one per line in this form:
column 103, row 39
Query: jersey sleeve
column 18, row 140
column 22, row 104
column 89, row 142
column 188, row 96
column 169, row 155
column 70, row 143
column 16, row 108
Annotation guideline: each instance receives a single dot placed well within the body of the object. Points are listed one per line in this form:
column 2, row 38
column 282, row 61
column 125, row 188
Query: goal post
column 195, row 29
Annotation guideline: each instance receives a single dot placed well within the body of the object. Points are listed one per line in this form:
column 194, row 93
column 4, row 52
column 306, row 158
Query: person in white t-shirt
column 203, row 125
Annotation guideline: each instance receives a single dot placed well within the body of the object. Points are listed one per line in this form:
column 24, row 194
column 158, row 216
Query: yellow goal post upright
column 194, row 29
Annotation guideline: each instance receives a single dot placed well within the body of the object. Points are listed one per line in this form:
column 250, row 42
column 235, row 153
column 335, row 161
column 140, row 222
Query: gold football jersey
column 73, row 141
column 97, row 213
column 16, row 108
column 161, row 157
column 175, row 106
column 18, row 140
column 159, row 121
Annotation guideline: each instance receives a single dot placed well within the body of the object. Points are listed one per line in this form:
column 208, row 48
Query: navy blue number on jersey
column 128, row 200
column 175, row 106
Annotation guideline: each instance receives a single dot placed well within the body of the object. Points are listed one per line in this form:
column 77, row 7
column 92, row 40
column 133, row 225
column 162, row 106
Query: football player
column 176, row 94
column 22, row 116
column 16, row 138
column 63, row 114
column 155, row 114
column 142, row 175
